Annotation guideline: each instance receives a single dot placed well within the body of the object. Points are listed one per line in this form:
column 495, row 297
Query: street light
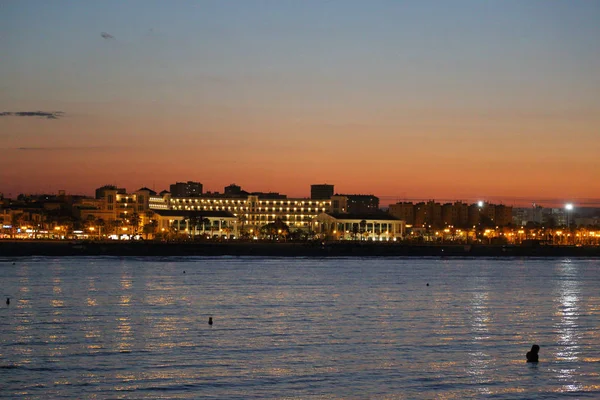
column 568, row 207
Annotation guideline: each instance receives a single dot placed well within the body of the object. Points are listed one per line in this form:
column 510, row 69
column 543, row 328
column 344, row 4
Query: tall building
column 233, row 190
column 449, row 214
column 428, row 214
column 115, row 204
column 503, row 215
column 474, row 214
column 484, row 213
column 186, row 189
column 362, row 203
column 462, row 214
column 489, row 211
column 321, row 192
column 106, row 190
column 522, row 215
column 404, row 211
column 339, row 204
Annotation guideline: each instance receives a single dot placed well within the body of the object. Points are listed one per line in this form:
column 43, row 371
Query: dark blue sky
column 354, row 93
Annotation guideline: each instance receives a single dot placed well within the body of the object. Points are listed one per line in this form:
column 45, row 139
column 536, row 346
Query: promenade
column 283, row 249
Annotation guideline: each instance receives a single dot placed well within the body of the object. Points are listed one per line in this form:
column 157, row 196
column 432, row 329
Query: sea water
column 298, row 328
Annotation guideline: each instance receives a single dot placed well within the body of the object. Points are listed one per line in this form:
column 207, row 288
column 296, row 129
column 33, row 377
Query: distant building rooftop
column 152, row 192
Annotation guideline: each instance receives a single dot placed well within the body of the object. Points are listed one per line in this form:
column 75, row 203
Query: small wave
column 168, row 388
column 45, row 369
column 29, row 368
column 35, row 343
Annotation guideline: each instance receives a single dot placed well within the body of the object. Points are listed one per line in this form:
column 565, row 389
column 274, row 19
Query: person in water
column 532, row 355
column 210, row 322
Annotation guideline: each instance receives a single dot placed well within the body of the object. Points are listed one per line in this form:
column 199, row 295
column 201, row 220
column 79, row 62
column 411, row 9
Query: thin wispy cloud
column 42, row 114
column 107, row 36
column 67, row 148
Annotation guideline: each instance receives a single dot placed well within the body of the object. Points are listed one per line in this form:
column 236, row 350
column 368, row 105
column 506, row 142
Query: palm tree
column 101, row 224
column 114, row 225
column 90, row 221
column 363, row 228
column 150, row 227
column 204, row 222
column 194, row 219
column 355, row 230
column 135, row 222
column 242, row 221
column 276, row 228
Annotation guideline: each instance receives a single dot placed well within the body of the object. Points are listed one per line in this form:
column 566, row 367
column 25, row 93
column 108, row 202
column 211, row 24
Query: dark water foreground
column 270, row 249
column 299, row 328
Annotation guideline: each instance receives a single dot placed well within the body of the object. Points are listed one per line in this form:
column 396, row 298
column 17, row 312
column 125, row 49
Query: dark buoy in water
column 532, row 355
column 210, row 320
column 427, row 284
column 8, row 301
column 184, row 272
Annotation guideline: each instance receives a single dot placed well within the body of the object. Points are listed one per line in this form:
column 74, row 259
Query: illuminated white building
column 343, row 226
column 115, row 204
column 252, row 211
column 195, row 223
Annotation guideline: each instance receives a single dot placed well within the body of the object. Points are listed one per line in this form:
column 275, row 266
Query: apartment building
column 115, row 204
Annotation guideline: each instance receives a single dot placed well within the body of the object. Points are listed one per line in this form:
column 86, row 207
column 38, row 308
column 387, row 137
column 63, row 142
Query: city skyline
column 465, row 100
column 385, row 201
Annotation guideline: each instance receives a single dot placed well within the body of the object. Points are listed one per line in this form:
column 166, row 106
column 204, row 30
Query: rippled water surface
column 299, row 328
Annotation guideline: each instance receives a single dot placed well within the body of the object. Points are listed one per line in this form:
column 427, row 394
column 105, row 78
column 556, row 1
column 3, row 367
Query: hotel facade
column 249, row 212
column 327, row 217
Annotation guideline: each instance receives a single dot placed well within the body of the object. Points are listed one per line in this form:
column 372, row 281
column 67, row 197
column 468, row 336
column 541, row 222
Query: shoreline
column 11, row 248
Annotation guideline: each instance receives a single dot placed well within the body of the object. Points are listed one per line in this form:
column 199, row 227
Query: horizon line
column 393, row 199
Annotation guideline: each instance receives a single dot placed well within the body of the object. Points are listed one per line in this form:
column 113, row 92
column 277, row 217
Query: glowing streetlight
column 568, row 208
column 480, row 204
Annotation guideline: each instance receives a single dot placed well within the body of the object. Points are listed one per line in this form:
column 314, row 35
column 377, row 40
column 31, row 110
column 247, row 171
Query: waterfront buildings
column 194, row 223
column 237, row 213
column 252, row 211
column 186, row 189
column 434, row 215
column 352, row 226
column 523, row 215
column 404, row 211
column 362, row 203
column 115, row 204
column 321, row 192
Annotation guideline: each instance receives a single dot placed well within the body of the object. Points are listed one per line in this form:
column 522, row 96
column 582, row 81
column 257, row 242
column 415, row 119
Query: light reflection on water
column 305, row 328
column 567, row 304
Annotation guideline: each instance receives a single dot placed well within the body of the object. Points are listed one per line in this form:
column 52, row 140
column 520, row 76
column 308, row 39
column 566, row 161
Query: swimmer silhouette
column 532, row 355
column 210, row 320
column 8, row 301
column 428, row 284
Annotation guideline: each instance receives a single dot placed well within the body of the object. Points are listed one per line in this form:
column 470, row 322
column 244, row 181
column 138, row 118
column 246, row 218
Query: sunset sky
column 468, row 100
